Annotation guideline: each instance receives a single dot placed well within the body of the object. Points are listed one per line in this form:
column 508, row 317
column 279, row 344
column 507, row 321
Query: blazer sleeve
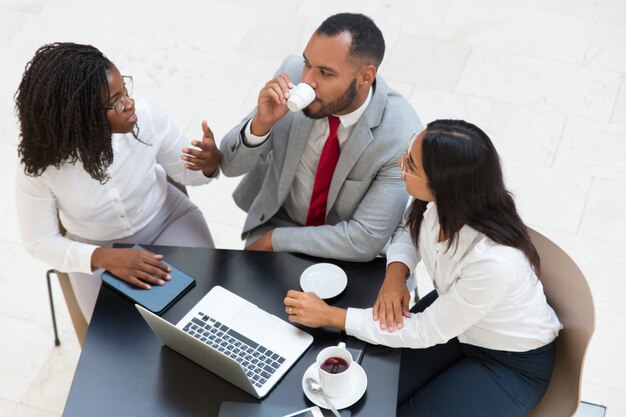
column 237, row 157
column 360, row 238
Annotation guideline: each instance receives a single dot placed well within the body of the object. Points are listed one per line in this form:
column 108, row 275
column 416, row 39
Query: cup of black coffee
column 335, row 365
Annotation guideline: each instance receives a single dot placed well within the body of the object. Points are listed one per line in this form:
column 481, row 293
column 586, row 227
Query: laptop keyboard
column 258, row 362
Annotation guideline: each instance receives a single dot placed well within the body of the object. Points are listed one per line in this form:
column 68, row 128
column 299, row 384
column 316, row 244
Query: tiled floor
column 545, row 78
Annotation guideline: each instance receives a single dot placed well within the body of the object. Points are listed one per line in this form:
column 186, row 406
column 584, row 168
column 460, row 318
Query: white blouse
column 102, row 212
column 488, row 295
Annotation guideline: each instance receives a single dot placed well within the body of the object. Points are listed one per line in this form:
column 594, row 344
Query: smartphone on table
column 308, row 412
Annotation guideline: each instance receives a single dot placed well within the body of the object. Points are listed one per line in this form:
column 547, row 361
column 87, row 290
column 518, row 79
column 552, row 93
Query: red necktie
column 323, row 176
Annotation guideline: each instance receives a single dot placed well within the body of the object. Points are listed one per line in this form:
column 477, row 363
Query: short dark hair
column 367, row 40
column 61, row 105
column 465, row 176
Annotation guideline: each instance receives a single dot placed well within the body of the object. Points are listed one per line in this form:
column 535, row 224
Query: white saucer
column 325, row 280
column 358, row 386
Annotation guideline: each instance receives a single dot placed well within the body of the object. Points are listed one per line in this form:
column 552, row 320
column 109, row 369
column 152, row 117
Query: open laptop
column 234, row 339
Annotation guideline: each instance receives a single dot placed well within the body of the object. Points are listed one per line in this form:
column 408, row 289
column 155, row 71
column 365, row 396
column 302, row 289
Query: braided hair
column 61, row 105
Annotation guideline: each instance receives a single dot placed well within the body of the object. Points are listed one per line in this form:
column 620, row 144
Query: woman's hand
column 308, row 309
column 207, row 158
column 139, row 267
column 392, row 303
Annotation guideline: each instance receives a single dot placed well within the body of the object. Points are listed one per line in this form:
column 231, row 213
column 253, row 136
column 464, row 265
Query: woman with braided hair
column 96, row 161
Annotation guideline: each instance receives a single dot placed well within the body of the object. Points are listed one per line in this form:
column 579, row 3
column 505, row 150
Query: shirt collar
column 350, row 119
column 465, row 237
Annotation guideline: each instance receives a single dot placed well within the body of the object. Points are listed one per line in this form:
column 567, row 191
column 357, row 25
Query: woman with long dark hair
column 93, row 158
column 480, row 344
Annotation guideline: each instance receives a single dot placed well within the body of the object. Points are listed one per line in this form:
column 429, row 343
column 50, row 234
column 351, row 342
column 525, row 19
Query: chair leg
column 57, row 342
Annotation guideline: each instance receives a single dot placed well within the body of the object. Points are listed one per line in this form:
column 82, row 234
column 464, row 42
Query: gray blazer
column 367, row 195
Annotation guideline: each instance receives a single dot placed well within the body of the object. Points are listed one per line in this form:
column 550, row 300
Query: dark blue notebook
column 157, row 299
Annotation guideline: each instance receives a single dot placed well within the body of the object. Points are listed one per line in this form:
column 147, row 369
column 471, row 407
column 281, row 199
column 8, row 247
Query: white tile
column 603, row 264
column 9, row 159
column 619, row 111
column 546, row 197
column 10, row 23
column 410, row 17
column 322, row 9
column 7, row 408
column 525, row 32
column 226, row 236
column 23, row 352
column 50, row 389
column 42, row 29
column 405, row 89
column 604, row 212
column 421, row 18
column 613, row 399
column 603, row 364
column 24, row 292
column 277, row 5
column 593, row 148
column 26, row 411
column 216, row 202
column 290, row 39
column 8, row 211
column 23, row 6
column 520, row 134
column 425, row 61
column 600, row 10
column 608, row 48
column 541, row 84
column 608, row 10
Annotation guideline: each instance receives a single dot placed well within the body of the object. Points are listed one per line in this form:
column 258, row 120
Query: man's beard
column 333, row 107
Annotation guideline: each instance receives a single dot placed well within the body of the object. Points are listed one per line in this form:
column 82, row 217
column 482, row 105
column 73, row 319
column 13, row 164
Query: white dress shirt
column 125, row 204
column 297, row 202
column 489, row 295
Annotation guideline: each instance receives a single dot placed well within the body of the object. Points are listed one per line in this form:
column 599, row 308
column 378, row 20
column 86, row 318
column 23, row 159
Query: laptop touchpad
column 253, row 322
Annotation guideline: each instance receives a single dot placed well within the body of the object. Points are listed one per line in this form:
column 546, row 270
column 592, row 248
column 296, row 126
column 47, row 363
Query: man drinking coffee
column 324, row 181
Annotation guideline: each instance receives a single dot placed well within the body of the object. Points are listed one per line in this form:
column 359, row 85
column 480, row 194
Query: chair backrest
column 76, row 314
column 568, row 293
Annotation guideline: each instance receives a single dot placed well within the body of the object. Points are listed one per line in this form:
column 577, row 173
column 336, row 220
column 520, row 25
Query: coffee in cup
column 334, row 365
column 300, row 96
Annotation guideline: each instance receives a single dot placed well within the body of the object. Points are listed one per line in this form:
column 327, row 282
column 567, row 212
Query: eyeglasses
column 404, row 162
column 119, row 104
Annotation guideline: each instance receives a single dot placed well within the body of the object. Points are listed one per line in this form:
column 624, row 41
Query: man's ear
column 367, row 76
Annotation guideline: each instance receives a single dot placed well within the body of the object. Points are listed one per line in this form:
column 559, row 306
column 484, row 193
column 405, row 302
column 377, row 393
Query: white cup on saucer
column 300, row 96
column 334, row 365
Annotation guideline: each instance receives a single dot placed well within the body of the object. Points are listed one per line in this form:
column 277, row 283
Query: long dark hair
column 465, row 176
column 61, row 105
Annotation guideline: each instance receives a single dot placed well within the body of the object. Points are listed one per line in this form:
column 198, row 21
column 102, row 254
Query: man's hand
column 207, row 157
column 392, row 303
column 271, row 104
column 139, row 267
column 263, row 244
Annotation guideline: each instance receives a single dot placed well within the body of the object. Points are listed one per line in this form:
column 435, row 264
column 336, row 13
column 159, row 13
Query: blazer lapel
column 298, row 136
column 358, row 140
